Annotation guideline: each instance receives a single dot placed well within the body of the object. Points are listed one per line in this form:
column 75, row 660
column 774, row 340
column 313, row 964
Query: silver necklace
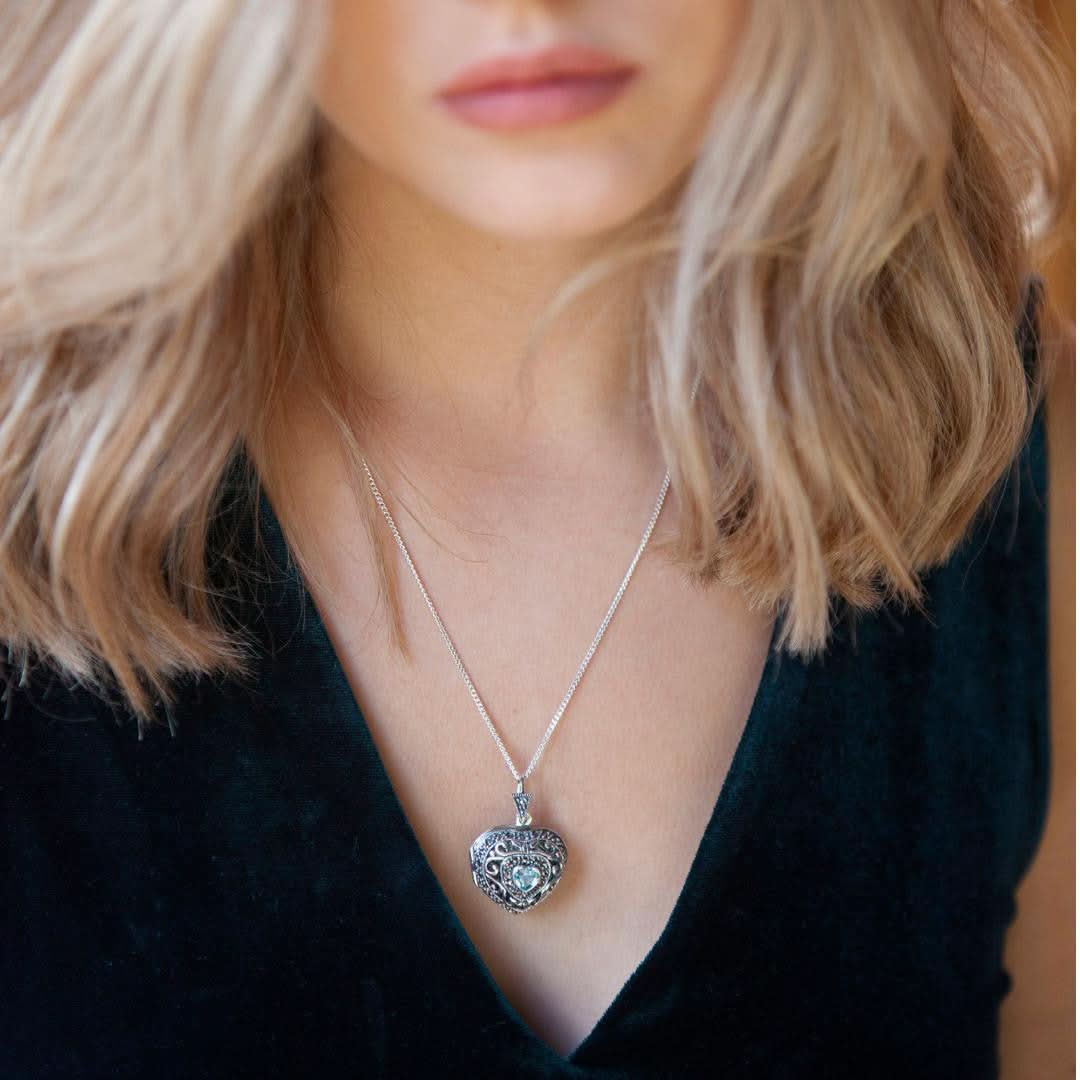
column 516, row 865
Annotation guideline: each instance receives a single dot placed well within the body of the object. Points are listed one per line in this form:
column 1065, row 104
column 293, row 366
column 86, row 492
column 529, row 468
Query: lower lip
column 510, row 108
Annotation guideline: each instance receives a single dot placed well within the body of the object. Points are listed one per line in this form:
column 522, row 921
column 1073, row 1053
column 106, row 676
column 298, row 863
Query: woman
column 665, row 334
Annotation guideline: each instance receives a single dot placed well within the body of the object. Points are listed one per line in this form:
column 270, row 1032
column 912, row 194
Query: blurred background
column 1038, row 1028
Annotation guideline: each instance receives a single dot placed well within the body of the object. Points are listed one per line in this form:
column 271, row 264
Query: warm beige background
column 1038, row 1038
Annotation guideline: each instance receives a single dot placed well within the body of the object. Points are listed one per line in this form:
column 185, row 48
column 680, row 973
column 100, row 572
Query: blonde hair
column 843, row 265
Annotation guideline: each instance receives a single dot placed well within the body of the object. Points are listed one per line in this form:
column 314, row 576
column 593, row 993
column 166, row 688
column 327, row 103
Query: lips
column 557, row 62
column 552, row 85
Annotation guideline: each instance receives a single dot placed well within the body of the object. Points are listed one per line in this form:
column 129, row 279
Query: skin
column 492, row 222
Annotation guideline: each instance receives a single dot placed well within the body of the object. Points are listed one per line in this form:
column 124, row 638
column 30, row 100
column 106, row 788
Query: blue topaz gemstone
column 525, row 877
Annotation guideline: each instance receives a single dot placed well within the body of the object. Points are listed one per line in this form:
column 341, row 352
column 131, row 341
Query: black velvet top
column 245, row 897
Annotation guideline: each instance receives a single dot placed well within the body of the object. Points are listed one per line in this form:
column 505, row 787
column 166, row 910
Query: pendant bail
column 521, row 801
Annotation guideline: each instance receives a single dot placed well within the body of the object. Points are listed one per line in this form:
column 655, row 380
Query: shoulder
column 959, row 691
column 50, row 722
column 989, row 612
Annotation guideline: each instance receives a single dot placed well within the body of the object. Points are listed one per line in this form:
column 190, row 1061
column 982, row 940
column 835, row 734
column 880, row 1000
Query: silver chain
column 521, row 777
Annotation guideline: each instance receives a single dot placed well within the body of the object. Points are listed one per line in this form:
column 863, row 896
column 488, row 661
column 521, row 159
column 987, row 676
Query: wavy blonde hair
column 843, row 266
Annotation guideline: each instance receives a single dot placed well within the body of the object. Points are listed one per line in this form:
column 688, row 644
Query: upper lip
column 558, row 60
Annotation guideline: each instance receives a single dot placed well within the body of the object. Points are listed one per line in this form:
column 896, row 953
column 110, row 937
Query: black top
column 246, row 897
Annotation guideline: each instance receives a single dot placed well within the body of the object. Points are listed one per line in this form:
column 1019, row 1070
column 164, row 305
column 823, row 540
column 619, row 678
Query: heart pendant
column 517, row 866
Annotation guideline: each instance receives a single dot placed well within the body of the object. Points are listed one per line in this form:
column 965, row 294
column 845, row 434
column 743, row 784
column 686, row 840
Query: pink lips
column 550, row 86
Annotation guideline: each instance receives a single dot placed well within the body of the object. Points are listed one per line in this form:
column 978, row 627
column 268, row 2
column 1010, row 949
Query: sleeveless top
column 243, row 896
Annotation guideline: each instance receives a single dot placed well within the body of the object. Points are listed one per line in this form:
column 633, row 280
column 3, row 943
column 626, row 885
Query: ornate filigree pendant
column 517, row 866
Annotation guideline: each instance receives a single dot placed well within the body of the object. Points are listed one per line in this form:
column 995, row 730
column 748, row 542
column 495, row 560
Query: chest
column 629, row 778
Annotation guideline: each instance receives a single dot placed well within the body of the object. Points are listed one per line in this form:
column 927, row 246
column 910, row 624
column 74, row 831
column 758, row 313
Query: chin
column 548, row 205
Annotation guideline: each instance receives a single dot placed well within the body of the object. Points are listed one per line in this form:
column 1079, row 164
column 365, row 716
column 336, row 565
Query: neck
column 432, row 319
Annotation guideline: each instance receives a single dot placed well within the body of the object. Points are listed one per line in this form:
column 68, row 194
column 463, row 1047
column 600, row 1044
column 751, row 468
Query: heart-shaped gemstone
column 525, row 877
column 516, row 866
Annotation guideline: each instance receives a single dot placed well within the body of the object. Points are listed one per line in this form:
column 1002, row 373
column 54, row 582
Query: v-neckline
column 779, row 690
